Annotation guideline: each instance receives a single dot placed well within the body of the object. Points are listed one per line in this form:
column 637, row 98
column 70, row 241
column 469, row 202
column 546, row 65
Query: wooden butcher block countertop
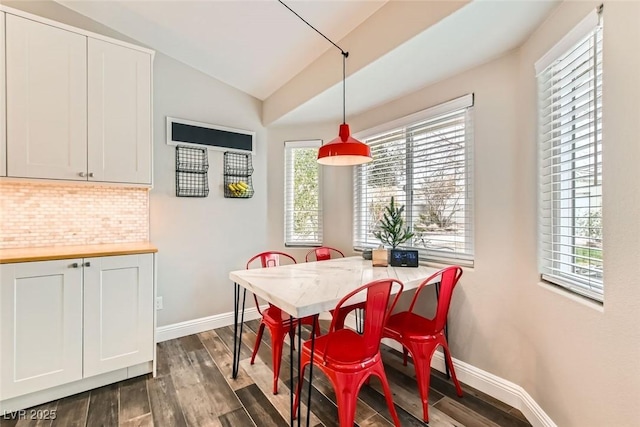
column 81, row 251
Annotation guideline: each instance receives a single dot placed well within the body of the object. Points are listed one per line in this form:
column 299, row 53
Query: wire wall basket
column 238, row 169
column 192, row 165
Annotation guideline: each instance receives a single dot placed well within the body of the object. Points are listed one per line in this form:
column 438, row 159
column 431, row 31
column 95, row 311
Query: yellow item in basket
column 237, row 189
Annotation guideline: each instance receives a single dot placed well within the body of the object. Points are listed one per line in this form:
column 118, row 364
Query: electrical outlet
column 159, row 305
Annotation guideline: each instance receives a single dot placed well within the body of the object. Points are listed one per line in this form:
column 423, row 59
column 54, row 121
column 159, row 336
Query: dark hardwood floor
column 194, row 388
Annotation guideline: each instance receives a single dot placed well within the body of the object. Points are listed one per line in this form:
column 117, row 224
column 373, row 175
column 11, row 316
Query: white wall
column 337, row 188
column 490, row 282
column 578, row 360
column 201, row 239
column 582, row 361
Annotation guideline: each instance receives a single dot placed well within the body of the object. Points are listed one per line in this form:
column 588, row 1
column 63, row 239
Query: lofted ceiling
column 255, row 46
column 259, row 46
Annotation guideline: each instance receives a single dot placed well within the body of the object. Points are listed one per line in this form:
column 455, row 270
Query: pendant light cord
column 345, row 55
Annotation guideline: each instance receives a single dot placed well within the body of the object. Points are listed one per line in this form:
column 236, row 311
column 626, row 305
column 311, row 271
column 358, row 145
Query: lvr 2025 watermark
column 30, row 414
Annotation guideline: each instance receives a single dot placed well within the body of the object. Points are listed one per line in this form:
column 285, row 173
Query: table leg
column 238, row 323
column 291, row 389
column 446, row 331
column 313, row 345
column 299, row 366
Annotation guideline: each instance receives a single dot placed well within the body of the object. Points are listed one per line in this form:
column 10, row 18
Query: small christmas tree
column 391, row 230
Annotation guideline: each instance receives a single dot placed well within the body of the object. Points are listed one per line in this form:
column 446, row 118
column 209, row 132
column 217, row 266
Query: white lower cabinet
column 40, row 326
column 73, row 319
column 118, row 312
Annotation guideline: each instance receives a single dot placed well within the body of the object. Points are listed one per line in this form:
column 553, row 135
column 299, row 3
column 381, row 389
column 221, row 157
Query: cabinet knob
column 74, row 265
column 82, row 174
column 87, row 264
column 90, row 174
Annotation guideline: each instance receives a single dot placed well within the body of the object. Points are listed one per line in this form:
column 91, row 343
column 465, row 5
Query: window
column 424, row 162
column 570, row 161
column 302, row 201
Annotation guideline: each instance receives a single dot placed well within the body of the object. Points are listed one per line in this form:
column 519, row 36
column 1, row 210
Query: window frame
column 556, row 253
column 465, row 103
column 314, row 144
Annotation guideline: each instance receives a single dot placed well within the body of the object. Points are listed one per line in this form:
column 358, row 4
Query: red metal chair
column 323, row 253
column 278, row 322
column 347, row 358
column 421, row 336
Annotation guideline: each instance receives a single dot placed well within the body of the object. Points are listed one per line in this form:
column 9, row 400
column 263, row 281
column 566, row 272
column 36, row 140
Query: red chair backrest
column 323, row 253
column 448, row 278
column 268, row 259
column 376, row 311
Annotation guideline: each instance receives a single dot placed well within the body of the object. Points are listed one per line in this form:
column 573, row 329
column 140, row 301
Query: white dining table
column 311, row 288
column 314, row 287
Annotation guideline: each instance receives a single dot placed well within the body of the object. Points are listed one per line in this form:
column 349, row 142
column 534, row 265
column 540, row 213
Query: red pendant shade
column 344, row 150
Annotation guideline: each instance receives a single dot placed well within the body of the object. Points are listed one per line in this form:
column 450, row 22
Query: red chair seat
column 346, row 351
column 411, row 325
column 275, row 315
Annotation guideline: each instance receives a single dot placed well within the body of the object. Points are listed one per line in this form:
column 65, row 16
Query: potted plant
column 393, row 232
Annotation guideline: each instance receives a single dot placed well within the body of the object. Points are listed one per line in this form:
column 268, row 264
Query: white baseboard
column 195, row 326
column 499, row 388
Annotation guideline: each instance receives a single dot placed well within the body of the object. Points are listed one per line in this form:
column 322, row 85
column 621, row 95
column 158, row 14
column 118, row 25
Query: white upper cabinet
column 46, row 71
column 119, row 113
column 3, row 103
column 78, row 106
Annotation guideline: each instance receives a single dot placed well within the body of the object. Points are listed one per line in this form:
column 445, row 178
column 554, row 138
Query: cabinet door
column 119, row 113
column 118, row 312
column 40, row 326
column 46, row 71
column 3, row 103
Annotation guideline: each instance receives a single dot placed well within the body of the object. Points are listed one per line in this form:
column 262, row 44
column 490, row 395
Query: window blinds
column 302, row 197
column 570, row 162
column 424, row 162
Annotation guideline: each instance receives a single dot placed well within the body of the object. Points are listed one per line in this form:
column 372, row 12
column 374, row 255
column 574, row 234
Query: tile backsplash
column 34, row 214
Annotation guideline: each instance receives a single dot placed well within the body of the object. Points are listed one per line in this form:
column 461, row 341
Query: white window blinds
column 302, row 197
column 570, row 161
column 425, row 162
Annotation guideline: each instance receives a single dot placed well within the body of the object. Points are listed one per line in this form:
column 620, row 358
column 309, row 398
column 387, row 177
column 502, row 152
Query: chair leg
column 421, row 354
column 346, row 387
column 277, row 341
column 256, row 346
column 379, row 371
column 449, row 361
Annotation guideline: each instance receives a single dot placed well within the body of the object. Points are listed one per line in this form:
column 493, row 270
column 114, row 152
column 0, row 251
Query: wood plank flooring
column 194, row 388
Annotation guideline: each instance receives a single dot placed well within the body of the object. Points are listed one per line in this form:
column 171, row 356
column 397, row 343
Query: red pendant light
column 344, row 150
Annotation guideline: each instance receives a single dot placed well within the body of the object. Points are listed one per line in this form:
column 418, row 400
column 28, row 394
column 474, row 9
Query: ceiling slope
column 254, row 46
column 258, row 46
column 471, row 35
